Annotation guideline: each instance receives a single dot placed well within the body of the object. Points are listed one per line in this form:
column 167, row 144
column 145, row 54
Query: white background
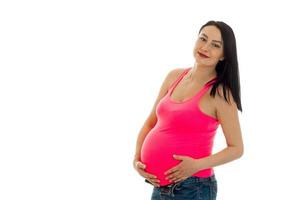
column 78, row 79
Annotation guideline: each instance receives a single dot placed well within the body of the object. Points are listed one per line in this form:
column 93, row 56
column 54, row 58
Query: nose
column 205, row 47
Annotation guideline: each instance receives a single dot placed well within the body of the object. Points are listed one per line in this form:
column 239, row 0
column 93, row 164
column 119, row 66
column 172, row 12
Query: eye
column 216, row 45
column 202, row 38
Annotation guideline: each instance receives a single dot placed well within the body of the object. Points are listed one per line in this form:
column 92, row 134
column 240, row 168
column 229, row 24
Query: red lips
column 203, row 55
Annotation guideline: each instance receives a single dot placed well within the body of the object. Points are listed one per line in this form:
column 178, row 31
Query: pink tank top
column 181, row 129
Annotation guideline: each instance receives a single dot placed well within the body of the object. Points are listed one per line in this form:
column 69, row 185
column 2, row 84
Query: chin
column 203, row 62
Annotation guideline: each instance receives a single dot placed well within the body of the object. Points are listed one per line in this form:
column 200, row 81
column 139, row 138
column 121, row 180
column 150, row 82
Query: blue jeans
column 188, row 189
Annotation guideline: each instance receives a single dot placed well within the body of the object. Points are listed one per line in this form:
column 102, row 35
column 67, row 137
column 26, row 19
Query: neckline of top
column 205, row 86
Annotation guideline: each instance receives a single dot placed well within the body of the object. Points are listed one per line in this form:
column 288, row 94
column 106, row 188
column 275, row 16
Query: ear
column 221, row 59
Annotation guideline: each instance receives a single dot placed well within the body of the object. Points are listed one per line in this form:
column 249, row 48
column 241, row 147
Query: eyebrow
column 212, row 40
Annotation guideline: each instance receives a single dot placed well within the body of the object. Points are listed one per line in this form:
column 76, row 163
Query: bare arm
column 227, row 114
column 152, row 119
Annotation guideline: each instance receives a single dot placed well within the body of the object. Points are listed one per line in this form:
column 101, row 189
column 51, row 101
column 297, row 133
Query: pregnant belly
column 158, row 150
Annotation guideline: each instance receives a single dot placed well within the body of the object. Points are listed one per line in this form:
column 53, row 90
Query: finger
column 151, row 176
column 177, row 157
column 155, row 180
column 148, row 175
column 153, row 183
column 143, row 173
column 174, row 176
column 170, row 171
column 140, row 165
column 179, row 179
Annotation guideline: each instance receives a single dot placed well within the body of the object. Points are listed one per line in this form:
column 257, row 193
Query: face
column 208, row 49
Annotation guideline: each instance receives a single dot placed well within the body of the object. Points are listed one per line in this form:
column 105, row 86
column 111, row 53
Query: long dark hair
column 227, row 69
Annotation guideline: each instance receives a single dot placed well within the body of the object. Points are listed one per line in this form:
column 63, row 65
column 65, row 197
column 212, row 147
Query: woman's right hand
column 140, row 167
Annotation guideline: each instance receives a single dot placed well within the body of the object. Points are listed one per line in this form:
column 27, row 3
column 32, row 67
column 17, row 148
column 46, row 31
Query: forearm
column 226, row 155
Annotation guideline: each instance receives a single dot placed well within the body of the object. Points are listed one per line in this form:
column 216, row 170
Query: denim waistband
column 192, row 179
column 169, row 189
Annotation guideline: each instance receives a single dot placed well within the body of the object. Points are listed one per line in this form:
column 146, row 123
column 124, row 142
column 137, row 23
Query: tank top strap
column 173, row 85
column 211, row 82
column 204, row 89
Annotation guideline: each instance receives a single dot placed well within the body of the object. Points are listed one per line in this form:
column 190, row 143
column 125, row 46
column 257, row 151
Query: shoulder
column 223, row 94
column 174, row 74
column 222, row 105
column 171, row 76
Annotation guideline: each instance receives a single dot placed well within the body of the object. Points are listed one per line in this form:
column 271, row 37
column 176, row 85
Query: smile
column 202, row 55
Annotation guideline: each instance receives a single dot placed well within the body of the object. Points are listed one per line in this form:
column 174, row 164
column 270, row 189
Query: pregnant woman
column 174, row 146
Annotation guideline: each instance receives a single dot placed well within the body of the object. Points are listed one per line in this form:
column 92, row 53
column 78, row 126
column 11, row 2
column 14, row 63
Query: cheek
column 198, row 45
column 195, row 50
column 217, row 55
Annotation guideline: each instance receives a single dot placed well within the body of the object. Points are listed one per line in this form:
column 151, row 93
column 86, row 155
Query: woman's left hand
column 183, row 170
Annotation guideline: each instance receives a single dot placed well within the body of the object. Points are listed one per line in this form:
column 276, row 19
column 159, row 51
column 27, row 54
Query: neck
column 202, row 74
